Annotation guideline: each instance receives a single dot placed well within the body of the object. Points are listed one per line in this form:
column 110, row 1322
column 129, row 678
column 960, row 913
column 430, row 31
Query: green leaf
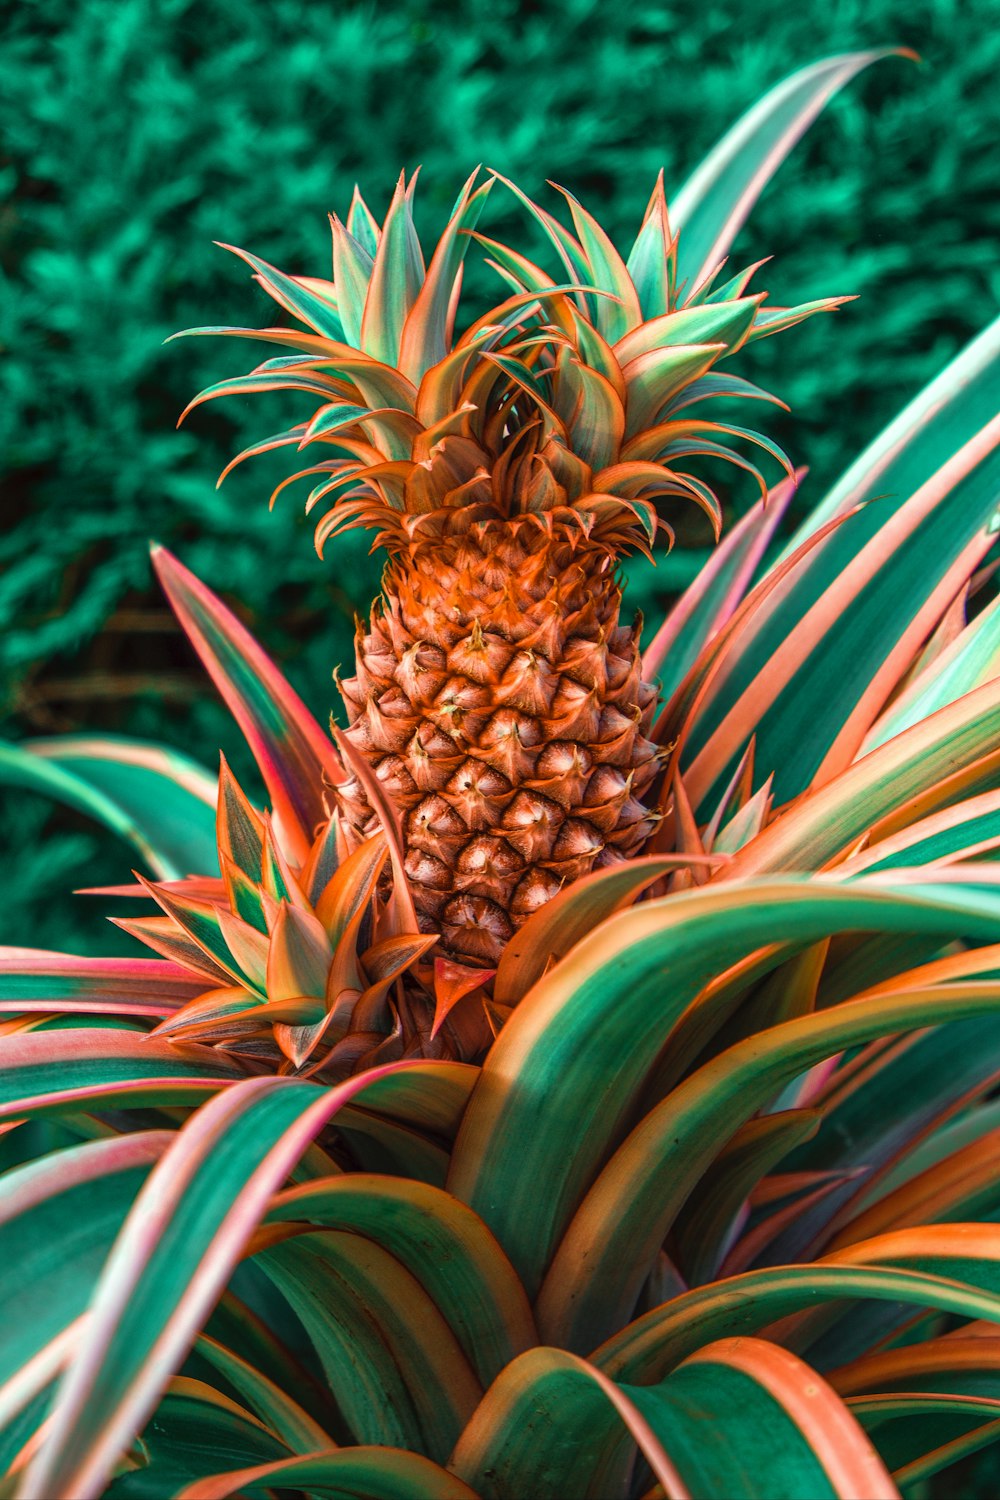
column 702, row 1234
column 714, row 203
column 58, row 1219
column 952, row 1267
column 352, row 269
column 972, row 659
column 194, row 1430
column 856, row 610
column 606, row 270
column 34, row 981
column 531, row 1139
column 170, row 1263
column 654, row 377
column 82, row 1068
column 833, row 819
column 441, row 1243
column 552, row 1426
column 779, row 1432
column 277, row 1408
column 423, row 341
column 294, row 755
column 612, row 1241
column 157, row 799
column 710, row 600
column 396, row 278
column 316, row 312
column 392, row 1363
column 556, row 927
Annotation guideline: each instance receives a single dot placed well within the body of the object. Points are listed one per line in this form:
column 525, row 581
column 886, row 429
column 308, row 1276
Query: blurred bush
column 137, row 132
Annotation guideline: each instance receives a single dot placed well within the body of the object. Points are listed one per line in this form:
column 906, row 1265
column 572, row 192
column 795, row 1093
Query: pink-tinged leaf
column 163, row 935
column 352, row 269
column 971, row 658
column 747, row 823
column 351, row 888
column 322, row 863
column 356, row 373
column 607, row 270
column 851, row 738
column 239, row 829
column 396, row 277
column 224, row 1018
column 249, row 948
column 659, row 442
column 961, row 1186
column 707, row 291
column 654, row 377
column 680, row 714
column 715, row 387
column 71, row 1071
column 752, row 1245
column 31, row 979
column 425, row 336
column 296, row 759
column 201, row 922
column 244, row 896
column 597, row 415
column 829, row 823
column 687, row 1128
column 959, row 831
column 278, row 880
column 652, row 261
column 688, row 837
column 202, row 887
column 341, row 910
column 735, row 796
column 776, row 319
column 944, row 416
column 298, row 379
column 727, row 323
column 281, row 440
column 386, row 960
column 714, row 203
column 570, row 252
column 818, row 624
column 362, row 223
column 294, row 296
column 172, row 1260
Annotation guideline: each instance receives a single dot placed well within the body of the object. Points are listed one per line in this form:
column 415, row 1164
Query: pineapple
column 498, row 698
column 262, row 1239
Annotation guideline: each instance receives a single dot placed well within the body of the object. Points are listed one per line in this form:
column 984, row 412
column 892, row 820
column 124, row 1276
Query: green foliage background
column 136, row 132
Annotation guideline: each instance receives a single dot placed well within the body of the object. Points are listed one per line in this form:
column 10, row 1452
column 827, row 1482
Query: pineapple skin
column 501, row 705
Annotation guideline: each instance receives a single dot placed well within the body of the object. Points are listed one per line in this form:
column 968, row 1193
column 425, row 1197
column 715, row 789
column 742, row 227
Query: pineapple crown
column 568, row 404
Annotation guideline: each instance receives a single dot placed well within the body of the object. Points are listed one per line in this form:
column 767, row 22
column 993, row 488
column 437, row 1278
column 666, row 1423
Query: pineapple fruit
column 498, row 698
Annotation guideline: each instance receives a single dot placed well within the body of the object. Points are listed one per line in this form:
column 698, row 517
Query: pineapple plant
column 594, row 1044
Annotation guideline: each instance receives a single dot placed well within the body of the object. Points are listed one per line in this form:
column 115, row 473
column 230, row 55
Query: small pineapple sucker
column 501, row 705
